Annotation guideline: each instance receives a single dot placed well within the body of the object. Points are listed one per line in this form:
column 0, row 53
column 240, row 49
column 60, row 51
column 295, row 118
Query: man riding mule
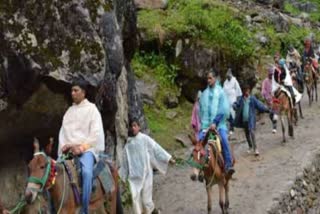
column 82, row 137
column 285, row 96
column 293, row 61
column 308, row 54
column 212, row 166
column 310, row 78
column 82, row 134
column 282, row 77
column 214, row 111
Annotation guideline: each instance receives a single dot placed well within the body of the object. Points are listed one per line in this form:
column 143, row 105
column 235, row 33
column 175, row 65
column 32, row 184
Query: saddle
column 102, row 173
column 215, row 141
column 282, row 88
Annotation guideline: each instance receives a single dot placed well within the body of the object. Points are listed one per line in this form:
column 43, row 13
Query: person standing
column 266, row 92
column 140, row 155
column 195, row 117
column 232, row 89
column 246, row 107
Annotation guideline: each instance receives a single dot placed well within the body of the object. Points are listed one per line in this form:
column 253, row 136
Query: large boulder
column 196, row 61
column 45, row 45
column 151, row 4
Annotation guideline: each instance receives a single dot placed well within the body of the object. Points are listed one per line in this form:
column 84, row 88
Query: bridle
column 49, row 177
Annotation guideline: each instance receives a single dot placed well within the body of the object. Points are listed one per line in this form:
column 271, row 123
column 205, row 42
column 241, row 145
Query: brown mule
column 58, row 185
column 310, row 78
column 281, row 104
column 213, row 172
column 299, row 87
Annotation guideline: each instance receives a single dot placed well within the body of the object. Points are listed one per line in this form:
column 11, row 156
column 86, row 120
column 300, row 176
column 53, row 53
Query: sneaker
column 250, row 151
column 231, row 133
column 256, row 152
column 274, row 131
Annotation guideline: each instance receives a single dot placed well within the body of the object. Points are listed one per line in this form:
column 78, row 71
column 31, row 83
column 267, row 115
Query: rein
column 214, row 167
column 49, row 176
column 47, row 181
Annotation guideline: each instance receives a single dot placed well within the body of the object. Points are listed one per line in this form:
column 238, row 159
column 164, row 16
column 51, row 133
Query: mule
column 310, row 78
column 283, row 106
column 294, row 72
column 213, row 171
column 50, row 175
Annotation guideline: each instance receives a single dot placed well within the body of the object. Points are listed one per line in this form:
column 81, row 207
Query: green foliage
column 295, row 36
column 156, row 65
column 216, row 25
column 126, row 197
column 163, row 129
column 314, row 16
column 275, row 43
column 289, row 8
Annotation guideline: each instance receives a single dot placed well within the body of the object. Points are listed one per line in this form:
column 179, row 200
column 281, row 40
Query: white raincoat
column 232, row 89
column 287, row 82
column 141, row 154
column 82, row 123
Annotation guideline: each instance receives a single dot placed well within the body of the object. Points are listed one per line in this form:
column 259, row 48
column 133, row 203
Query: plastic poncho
column 141, row 154
column 233, row 91
column 195, row 119
column 287, row 82
column 82, row 123
column 214, row 105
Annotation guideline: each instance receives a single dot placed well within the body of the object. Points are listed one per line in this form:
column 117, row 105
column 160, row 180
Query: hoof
column 193, row 177
column 209, row 209
column 200, row 178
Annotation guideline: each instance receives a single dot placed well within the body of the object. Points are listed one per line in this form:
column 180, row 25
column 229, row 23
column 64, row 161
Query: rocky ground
column 258, row 183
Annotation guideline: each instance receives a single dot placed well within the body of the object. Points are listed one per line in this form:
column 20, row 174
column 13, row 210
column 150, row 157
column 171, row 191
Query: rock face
column 304, row 6
column 45, row 45
column 196, row 61
column 303, row 194
column 151, row 4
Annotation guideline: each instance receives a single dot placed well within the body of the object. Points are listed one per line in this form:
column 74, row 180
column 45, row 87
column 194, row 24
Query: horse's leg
column 316, row 90
column 290, row 123
column 221, row 196
column 309, row 95
column 283, row 128
column 226, row 188
column 300, row 110
column 209, row 191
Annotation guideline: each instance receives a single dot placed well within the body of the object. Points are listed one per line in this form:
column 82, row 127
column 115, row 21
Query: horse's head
column 198, row 149
column 39, row 173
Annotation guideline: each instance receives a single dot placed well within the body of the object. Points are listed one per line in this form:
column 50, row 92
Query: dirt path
column 257, row 184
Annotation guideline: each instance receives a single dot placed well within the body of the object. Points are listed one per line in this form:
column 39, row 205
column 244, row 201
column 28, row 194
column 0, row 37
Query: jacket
column 254, row 105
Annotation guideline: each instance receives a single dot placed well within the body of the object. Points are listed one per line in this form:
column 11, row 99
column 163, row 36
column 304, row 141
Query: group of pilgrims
column 219, row 107
column 225, row 106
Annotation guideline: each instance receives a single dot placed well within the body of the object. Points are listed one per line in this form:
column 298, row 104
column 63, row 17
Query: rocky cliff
column 45, row 45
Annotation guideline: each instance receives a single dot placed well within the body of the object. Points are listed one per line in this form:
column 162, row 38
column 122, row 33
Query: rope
column 214, row 167
column 64, row 190
column 20, row 205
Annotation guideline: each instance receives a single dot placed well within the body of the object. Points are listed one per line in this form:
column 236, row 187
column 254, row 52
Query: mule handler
column 140, row 154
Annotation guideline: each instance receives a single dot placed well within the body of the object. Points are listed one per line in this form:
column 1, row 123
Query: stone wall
column 45, row 46
column 303, row 196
